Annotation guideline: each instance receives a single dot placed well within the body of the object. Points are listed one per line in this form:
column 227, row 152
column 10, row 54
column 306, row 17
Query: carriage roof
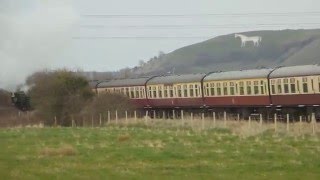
column 124, row 82
column 93, row 84
column 236, row 75
column 304, row 70
column 172, row 79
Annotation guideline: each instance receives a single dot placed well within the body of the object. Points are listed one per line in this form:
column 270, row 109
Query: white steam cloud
column 32, row 34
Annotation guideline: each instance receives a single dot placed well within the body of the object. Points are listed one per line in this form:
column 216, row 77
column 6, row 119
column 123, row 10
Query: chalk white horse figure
column 255, row 39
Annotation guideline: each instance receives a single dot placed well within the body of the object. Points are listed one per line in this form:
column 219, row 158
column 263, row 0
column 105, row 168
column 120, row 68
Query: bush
column 59, row 94
column 103, row 103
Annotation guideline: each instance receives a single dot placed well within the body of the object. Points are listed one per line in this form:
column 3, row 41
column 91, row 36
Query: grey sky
column 38, row 34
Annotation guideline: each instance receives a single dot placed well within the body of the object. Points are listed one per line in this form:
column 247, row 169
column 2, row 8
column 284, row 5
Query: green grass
column 137, row 152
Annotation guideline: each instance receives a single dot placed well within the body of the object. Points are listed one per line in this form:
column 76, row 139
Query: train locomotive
column 292, row 89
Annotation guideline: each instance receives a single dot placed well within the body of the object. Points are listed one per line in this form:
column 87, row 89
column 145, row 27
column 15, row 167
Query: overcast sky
column 36, row 34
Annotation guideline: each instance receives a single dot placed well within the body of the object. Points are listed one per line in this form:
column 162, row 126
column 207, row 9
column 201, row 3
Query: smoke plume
column 32, row 34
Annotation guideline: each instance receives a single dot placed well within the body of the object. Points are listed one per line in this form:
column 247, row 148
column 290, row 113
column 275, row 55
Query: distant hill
column 223, row 53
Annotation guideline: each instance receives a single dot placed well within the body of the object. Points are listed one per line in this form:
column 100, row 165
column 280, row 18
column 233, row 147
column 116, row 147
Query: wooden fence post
column 116, row 116
column 191, row 119
column 173, row 115
column 202, row 118
column 146, row 117
column 260, row 120
column 72, row 121
column 238, row 117
column 135, row 116
column 109, row 117
column 164, row 115
column 55, row 121
column 214, row 119
column 300, row 124
column 91, row 121
column 288, row 123
column 225, row 119
column 100, row 119
column 126, row 117
column 249, row 121
column 313, row 121
column 275, row 122
column 182, row 118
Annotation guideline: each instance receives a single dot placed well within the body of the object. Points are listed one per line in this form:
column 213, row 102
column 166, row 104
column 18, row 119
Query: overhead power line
column 139, row 37
column 196, row 26
column 311, row 13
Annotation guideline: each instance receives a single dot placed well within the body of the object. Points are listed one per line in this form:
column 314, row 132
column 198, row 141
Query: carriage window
column 225, row 88
column 248, row 87
column 206, row 89
column 212, row 89
column 137, row 92
column 128, row 92
column 241, row 85
column 191, row 90
column 262, row 87
column 286, row 85
column 142, row 91
column 179, row 91
column 185, row 91
column 196, row 90
column 218, row 89
column 149, row 91
column 292, row 85
column 171, row 92
column 279, row 86
column 231, row 88
column 132, row 93
column 305, row 85
column 319, row 83
column 160, row 91
column 165, row 91
column 256, row 87
column 154, row 92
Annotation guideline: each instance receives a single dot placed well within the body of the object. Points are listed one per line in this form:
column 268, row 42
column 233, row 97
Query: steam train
column 21, row 100
column 294, row 89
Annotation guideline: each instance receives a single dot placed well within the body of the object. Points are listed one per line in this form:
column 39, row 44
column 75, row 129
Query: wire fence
column 254, row 124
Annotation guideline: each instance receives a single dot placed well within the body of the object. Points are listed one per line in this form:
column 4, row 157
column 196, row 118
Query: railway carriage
column 247, row 88
column 295, row 86
column 175, row 91
column 132, row 88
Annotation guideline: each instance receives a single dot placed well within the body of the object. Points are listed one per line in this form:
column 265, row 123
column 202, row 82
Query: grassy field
column 156, row 152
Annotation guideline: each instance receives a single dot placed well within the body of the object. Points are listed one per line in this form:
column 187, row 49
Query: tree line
column 63, row 95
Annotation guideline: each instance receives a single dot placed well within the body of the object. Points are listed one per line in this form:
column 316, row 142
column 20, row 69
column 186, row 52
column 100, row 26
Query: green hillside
column 278, row 48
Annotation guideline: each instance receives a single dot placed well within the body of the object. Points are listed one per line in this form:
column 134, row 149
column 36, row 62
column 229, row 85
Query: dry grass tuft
column 123, row 138
column 65, row 150
column 157, row 144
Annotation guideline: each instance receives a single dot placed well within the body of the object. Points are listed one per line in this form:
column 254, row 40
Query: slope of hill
column 223, row 53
